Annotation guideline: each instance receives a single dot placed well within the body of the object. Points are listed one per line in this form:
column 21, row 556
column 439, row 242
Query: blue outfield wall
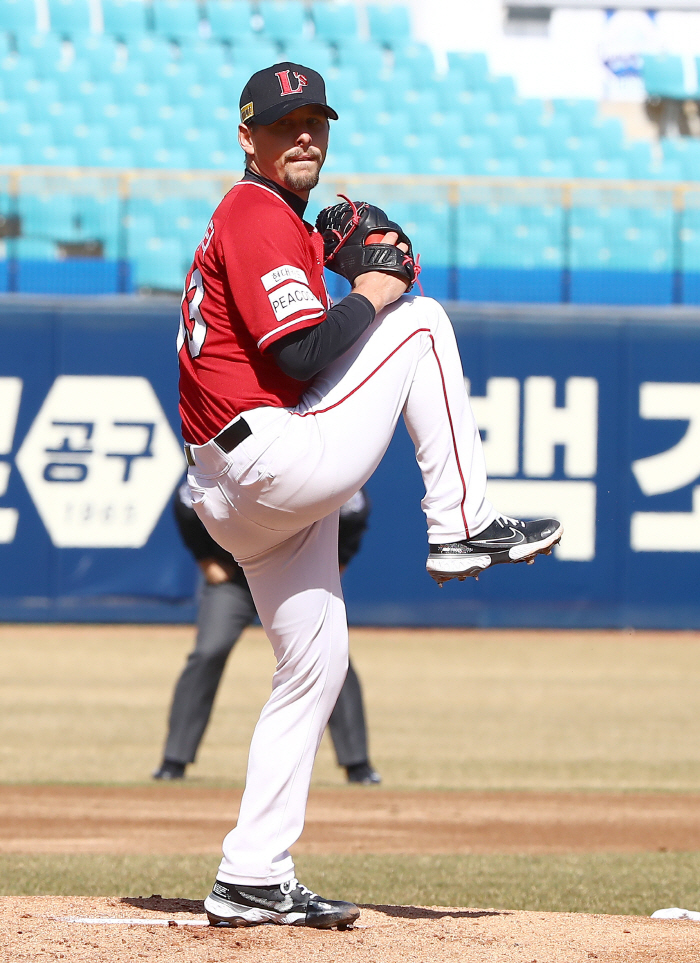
column 590, row 413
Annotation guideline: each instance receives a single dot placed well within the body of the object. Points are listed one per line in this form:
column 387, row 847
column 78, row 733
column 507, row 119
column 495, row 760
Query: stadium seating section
column 131, row 84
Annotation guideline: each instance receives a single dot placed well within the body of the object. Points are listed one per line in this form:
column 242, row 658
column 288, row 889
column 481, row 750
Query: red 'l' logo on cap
column 286, row 85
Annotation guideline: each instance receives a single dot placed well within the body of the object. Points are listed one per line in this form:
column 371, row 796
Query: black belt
column 231, row 437
column 227, row 440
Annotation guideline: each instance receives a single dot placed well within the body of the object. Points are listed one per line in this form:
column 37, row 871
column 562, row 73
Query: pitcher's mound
column 81, row 929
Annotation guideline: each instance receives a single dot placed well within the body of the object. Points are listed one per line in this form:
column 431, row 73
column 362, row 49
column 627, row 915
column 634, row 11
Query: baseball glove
column 349, row 231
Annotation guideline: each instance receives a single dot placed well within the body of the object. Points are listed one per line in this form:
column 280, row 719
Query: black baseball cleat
column 505, row 540
column 289, row 904
column 364, row 774
column 169, row 769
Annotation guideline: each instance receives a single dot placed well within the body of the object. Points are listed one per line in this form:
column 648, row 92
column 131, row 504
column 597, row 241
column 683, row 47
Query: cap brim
column 272, row 114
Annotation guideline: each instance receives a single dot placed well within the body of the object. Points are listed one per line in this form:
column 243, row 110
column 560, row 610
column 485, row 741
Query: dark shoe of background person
column 170, row 770
column 288, row 904
column 505, row 540
column 364, row 774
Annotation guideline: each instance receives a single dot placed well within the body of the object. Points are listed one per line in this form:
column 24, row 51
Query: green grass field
column 452, row 710
column 449, row 710
column 600, row 883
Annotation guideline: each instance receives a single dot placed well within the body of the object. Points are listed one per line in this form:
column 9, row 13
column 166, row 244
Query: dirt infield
column 36, row 928
column 185, row 819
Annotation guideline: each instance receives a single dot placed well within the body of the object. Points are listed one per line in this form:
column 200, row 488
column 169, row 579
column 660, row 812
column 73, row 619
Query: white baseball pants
column 273, row 503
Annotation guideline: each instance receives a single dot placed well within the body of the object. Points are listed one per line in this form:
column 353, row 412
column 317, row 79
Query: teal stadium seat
column 11, row 155
column 63, row 118
column 366, row 57
column 31, row 138
column 97, row 50
column 339, row 162
column 392, row 125
column 686, row 151
column 556, row 130
column 587, row 248
column 125, row 19
column 283, row 20
column 502, row 128
column 639, row 158
column 152, row 55
column 215, row 114
column 335, row 23
column 65, row 156
column 502, row 93
column 33, row 249
column 529, row 113
column 383, row 163
column 418, row 103
column 609, row 133
column 14, row 73
column 436, row 165
column 474, row 150
column 69, row 76
column 95, row 98
column 639, row 249
column 690, row 249
column 17, row 16
column 40, row 48
column 12, row 114
column 207, row 56
column 663, row 77
column 146, row 98
column 429, row 240
column 200, row 143
column 123, row 75
column 665, row 170
column 311, row 53
column 389, row 25
column 469, row 70
column 116, row 157
column 47, row 216
column 417, row 60
column 37, row 94
column 230, row 20
column 168, row 158
column 5, row 44
column 161, row 265
column 616, row 168
column 172, row 121
column 560, row 167
column 529, row 153
column 177, row 20
column 446, row 128
column 526, row 246
column 581, row 113
column 475, row 243
column 89, row 140
column 178, row 78
column 474, row 106
column 69, row 17
column 254, row 55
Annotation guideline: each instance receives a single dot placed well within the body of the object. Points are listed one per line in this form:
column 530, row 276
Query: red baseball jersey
column 257, row 276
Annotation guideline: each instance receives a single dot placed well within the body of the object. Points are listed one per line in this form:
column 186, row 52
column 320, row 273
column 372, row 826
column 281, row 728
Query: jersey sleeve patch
column 285, row 272
column 291, row 298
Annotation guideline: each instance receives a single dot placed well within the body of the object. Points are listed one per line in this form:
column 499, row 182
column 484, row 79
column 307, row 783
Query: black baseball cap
column 277, row 90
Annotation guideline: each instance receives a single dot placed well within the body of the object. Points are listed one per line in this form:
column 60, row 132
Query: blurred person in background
column 225, row 609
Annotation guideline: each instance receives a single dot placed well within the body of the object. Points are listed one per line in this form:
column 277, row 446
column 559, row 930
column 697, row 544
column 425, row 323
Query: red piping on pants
column 427, row 331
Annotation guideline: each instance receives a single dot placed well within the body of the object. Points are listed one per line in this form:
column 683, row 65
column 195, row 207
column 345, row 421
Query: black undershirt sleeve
column 303, row 354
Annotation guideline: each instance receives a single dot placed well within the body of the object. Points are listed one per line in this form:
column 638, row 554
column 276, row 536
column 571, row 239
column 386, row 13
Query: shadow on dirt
column 160, row 905
column 422, row 913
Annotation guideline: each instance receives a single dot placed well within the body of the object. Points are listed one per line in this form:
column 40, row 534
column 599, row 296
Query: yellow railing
column 407, row 188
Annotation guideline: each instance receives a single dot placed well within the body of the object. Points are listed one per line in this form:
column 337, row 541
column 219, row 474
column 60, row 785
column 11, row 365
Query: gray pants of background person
column 224, row 611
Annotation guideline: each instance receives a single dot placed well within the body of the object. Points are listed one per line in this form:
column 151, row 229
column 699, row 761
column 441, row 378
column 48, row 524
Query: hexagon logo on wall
column 100, row 461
